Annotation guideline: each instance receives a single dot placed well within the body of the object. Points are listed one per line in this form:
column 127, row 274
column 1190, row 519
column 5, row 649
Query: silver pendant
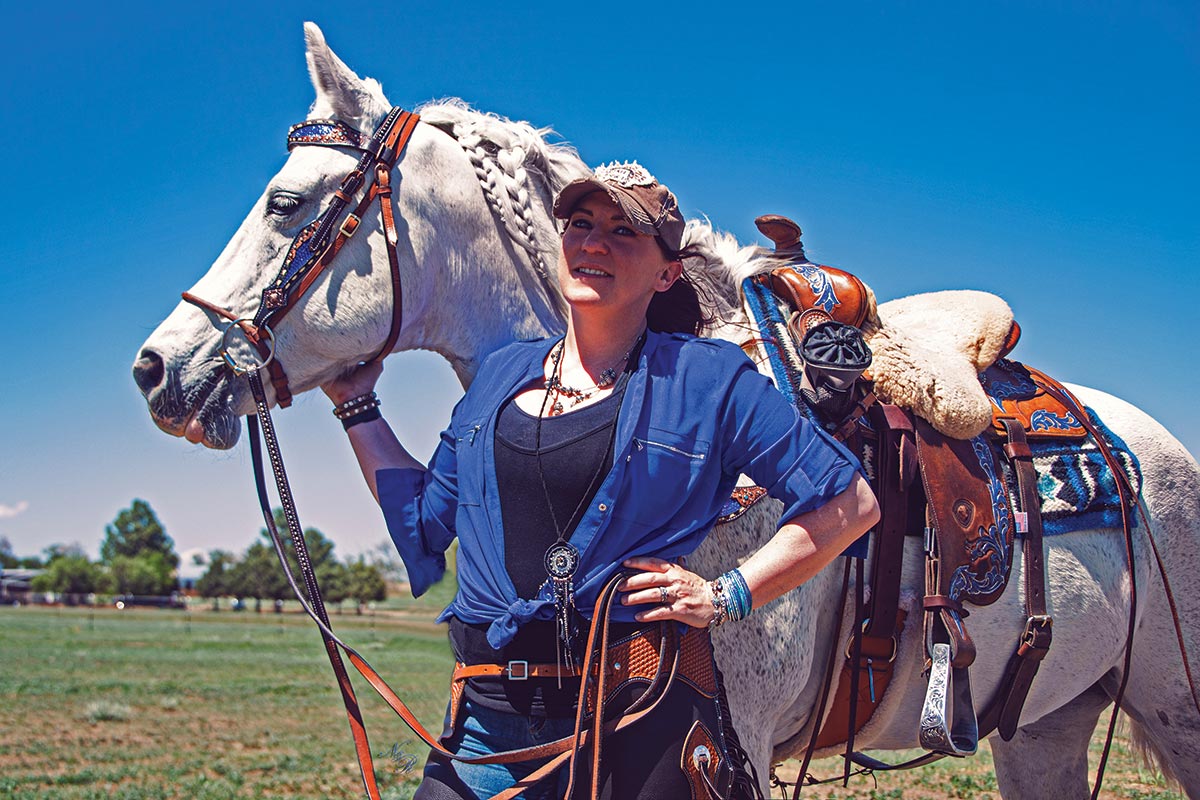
column 562, row 560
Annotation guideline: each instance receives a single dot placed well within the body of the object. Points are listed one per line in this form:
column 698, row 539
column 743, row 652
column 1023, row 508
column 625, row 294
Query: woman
column 605, row 453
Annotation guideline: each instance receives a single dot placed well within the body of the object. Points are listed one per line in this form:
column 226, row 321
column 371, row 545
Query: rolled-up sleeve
column 419, row 507
column 769, row 440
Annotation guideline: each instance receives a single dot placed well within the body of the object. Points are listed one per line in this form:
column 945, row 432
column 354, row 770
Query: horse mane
column 516, row 165
column 553, row 164
column 717, row 264
column 513, row 158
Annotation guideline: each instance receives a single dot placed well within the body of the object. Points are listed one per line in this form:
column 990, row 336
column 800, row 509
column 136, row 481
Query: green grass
column 973, row 778
column 155, row 704
column 150, row 704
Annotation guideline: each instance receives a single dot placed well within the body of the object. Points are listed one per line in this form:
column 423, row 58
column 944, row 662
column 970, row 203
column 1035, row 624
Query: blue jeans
column 482, row 731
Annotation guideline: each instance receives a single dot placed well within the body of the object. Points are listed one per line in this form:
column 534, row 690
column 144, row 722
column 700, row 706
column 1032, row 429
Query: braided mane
column 517, row 168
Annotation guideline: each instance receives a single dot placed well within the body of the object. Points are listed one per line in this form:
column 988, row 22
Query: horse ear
column 341, row 94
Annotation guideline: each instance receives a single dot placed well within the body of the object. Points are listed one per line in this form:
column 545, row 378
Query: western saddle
column 952, row 493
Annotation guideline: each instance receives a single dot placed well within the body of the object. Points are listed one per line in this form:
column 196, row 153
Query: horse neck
column 475, row 289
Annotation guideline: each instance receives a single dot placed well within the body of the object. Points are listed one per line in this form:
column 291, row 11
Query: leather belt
column 515, row 670
column 633, row 658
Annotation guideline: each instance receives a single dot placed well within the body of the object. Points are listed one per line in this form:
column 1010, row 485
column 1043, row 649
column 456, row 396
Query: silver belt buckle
column 524, row 670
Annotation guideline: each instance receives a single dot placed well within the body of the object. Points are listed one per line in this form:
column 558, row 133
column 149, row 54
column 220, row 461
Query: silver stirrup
column 955, row 733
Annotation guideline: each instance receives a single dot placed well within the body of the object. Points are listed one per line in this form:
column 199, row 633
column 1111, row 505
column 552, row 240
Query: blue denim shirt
column 695, row 415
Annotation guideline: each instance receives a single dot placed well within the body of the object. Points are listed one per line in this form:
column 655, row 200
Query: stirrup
column 956, row 733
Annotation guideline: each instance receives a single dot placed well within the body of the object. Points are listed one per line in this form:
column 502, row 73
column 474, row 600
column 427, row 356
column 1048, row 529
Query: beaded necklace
column 554, row 383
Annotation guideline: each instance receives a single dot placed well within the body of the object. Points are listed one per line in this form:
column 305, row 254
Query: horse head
column 462, row 203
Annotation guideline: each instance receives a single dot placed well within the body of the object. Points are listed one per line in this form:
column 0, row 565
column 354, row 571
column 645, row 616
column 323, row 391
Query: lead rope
column 818, row 711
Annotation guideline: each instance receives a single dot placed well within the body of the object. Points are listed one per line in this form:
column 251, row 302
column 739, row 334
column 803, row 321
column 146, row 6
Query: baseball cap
column 650, row 207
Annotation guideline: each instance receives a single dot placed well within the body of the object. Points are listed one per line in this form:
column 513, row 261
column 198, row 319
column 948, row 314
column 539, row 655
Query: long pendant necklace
column 562, row 557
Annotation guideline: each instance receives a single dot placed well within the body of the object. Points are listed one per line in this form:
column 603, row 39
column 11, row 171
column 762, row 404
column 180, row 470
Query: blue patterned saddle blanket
column 1076, row 486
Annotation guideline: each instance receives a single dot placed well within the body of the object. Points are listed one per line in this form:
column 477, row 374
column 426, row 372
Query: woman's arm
column 800, row 549
column 375, row 444
column 419, row 505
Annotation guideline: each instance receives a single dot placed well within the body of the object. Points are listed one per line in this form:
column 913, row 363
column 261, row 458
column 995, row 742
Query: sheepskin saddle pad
column 939, row 356
column 929, row 350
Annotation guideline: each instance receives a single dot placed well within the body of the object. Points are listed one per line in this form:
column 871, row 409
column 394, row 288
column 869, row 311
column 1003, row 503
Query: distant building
column 15, row 585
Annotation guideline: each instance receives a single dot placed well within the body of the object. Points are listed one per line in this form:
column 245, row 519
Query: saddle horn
column 783, row 232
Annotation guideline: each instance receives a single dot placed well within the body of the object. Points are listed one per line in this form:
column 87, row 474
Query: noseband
column 318, row 242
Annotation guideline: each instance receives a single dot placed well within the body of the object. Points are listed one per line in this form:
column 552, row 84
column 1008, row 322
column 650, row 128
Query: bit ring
column 240, row 369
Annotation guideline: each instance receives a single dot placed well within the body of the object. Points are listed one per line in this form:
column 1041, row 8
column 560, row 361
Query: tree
column 215, row 582
column 8, row 559
column 383, row 556
column 137, row 531
column 258, row 575
column 334, row 582
column 53, row 552
column 365, row 582
column 71, row 574
column 149, row 573
column 320, row 555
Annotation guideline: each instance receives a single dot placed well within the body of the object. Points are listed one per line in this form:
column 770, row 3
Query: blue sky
column 1043, row 151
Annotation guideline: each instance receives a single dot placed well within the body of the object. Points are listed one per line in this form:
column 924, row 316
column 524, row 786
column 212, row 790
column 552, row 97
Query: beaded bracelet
column 730, row 598
column 356, row 405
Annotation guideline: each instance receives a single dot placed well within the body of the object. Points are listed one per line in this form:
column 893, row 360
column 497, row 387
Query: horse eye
column 283, row 204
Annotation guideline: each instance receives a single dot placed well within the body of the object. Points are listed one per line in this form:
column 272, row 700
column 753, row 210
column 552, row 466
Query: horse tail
column 1152, row 758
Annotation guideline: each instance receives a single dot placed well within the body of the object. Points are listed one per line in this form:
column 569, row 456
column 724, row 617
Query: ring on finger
column 664, row 595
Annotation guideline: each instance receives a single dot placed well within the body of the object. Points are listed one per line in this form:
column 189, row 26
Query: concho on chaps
column 702, row 763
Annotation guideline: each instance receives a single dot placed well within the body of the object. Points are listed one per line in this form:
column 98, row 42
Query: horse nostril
column 148, row 371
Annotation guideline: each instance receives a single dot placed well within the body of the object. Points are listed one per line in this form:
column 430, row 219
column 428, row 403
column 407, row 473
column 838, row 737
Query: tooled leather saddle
column 967, row 499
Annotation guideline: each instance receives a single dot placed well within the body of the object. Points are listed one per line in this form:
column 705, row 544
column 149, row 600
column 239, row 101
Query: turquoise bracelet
column 731, row 598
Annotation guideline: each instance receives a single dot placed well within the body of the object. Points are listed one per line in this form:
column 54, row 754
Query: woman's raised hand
column 669, row 591
column 358, row 381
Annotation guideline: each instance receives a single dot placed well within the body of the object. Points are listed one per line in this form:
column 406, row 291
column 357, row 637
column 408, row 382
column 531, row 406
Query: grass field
column 149, row 704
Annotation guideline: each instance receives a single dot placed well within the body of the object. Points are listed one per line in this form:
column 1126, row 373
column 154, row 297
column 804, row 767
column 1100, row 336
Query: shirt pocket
column 469, row 447
column 466, row 434
column 662, row 469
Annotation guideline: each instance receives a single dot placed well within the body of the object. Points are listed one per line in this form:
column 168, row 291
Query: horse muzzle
column 201, row 408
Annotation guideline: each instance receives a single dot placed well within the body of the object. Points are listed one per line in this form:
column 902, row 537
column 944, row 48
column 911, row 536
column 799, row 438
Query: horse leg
column 1159, row 702
column 1166, row 720
column 1048, row 758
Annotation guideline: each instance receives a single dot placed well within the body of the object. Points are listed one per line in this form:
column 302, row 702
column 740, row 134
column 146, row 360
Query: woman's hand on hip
column 668, row 591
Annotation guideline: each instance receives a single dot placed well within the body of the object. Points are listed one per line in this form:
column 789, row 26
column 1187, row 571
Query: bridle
column 318, row 242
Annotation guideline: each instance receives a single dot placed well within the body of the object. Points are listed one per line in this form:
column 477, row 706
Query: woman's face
column 608, row 264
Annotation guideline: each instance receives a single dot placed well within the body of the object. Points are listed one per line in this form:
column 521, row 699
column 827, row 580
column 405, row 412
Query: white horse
column 477, row 245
